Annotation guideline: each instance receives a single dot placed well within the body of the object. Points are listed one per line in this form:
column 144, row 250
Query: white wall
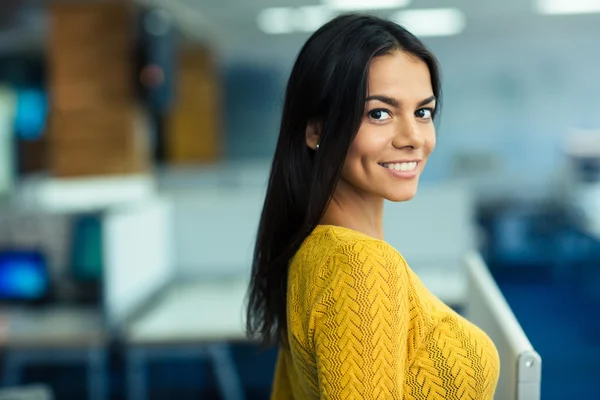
column 138, row 256
column 433, row 232
column 215, row 229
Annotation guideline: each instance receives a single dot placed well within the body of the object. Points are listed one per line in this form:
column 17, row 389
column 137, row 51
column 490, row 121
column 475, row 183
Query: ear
column 313, row 134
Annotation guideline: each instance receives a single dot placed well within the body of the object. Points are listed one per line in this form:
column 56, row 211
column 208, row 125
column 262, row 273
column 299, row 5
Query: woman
column 352, row 319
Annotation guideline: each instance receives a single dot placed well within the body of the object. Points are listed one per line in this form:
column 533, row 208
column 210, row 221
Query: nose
column 408, row 134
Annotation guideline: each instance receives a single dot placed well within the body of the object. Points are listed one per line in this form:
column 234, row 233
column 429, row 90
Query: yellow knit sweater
column 361, row 325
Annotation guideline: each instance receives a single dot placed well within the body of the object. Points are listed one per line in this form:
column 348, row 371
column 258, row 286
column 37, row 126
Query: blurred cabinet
column 92, row 127
column 193, row 125
column 90, row 54
column 98, row 141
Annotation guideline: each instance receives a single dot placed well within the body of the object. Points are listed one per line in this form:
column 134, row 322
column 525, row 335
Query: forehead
column 400, row 75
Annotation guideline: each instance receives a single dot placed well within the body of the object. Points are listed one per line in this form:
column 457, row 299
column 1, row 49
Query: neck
column 358, row 211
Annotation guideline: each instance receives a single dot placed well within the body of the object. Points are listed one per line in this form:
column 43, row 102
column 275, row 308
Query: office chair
column 520, row 364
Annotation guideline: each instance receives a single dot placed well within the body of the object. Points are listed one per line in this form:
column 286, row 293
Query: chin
column 402, row 195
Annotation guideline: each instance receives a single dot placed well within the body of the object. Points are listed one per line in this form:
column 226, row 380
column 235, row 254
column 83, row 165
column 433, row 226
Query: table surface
column 212, row 310
column 198, row 310
column 51, row 326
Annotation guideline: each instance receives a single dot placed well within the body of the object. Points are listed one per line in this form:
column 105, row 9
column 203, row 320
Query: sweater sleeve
column 361, row 324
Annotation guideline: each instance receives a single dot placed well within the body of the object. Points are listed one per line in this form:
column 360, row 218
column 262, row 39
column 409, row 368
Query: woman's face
column 397, row 133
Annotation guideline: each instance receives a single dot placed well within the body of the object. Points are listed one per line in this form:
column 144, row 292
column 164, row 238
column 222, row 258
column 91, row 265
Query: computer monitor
column 23, row 276
column 520, row 364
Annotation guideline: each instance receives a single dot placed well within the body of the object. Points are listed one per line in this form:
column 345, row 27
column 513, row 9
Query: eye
column 424, row 113
column 380, row 115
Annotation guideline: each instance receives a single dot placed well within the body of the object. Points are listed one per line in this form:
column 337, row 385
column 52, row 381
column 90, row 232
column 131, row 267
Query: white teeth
column 405, row 166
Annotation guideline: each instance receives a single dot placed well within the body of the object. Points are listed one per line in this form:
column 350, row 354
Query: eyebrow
column 395, row 103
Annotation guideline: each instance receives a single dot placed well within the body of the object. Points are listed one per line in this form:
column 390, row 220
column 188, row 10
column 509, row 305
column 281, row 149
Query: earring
column 317, row 146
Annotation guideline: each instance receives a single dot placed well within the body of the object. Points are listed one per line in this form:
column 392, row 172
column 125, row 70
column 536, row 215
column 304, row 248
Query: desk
column 209, row 310
column 192, row 319
column 57, row 335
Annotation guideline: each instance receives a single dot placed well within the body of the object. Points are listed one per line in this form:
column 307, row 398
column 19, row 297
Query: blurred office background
column 135, row 141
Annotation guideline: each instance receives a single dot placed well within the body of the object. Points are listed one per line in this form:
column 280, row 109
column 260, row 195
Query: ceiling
column 230, row 25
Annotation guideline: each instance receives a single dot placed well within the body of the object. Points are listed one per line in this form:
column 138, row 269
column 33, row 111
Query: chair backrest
column 486, row 307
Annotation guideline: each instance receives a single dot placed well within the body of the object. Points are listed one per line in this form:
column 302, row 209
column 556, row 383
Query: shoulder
column 356, row 254
column 334, row 259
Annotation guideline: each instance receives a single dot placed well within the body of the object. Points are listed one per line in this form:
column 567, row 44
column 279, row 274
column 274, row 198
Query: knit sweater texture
column 361, row 325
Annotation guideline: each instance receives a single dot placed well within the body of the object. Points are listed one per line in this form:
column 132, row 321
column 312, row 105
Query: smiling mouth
column 401, row 166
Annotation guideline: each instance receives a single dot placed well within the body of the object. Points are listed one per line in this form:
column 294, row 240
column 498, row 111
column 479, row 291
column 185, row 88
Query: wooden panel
column 193, row 126
column 90, row 54
column 92, row 90
column 77, row 21
column 92, row 63
column 97, row 142
column 88, row 95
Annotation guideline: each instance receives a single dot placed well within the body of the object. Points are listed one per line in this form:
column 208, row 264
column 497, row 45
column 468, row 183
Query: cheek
column 352, row 163
column 359, row 154
column 365, row 150
column 430, row 142
column 370, row 142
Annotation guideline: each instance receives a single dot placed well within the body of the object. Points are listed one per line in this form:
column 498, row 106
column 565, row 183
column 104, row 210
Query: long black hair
column 328, row 84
